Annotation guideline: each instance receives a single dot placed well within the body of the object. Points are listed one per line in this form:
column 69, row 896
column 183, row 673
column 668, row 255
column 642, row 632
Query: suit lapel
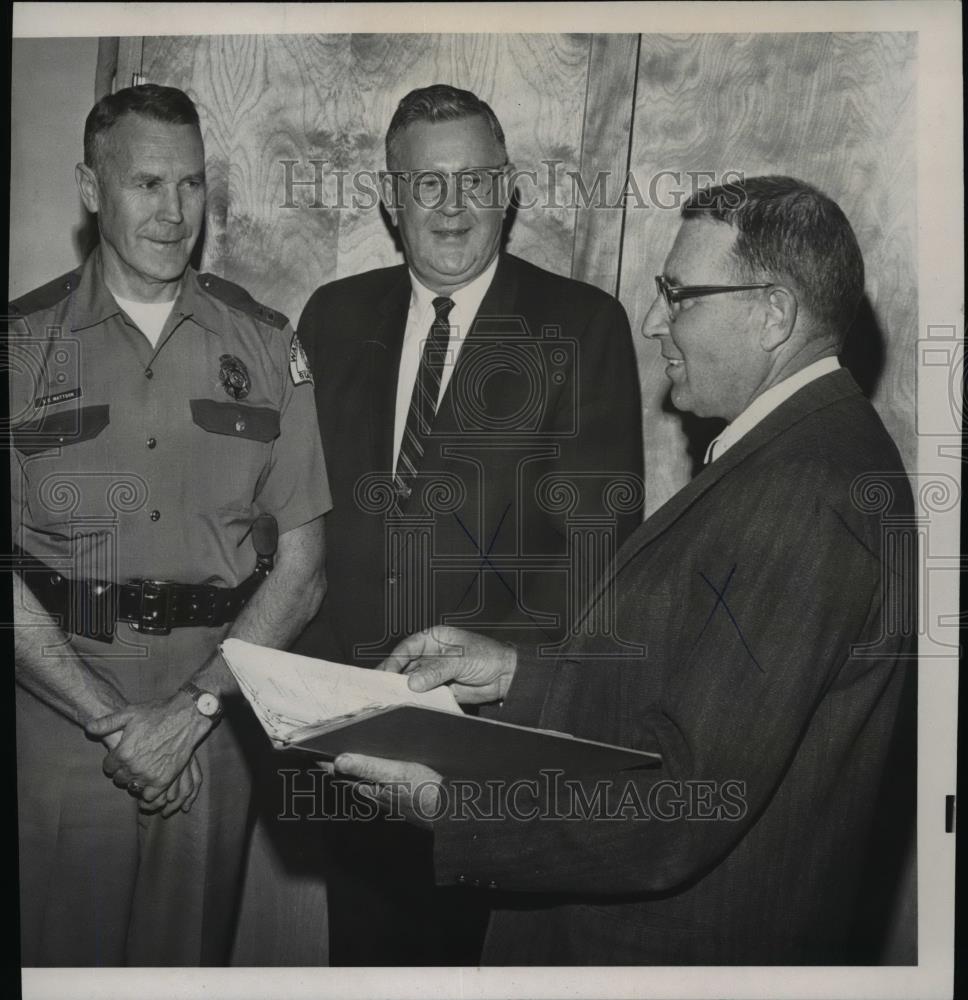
column 383, row 350
column 817, row 395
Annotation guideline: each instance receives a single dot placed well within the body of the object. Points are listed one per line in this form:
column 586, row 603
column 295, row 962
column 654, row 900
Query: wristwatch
column 208, row 704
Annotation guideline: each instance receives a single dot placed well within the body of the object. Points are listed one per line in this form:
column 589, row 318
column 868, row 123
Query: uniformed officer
column 157, row 417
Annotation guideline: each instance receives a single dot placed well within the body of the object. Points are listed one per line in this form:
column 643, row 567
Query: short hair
column 788, row 228
column 162, row 104
column 441, row 103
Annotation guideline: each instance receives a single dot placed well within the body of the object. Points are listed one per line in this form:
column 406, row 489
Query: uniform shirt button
column 154, row 515
column 149, row 373
column 150, row 443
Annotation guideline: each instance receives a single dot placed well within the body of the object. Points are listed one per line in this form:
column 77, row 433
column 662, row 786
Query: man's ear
column 388, row 194
column 781, row 318
column 87, row 185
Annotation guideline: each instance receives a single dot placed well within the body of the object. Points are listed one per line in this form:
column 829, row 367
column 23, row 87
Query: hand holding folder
column 326, row 709
column 477, row 669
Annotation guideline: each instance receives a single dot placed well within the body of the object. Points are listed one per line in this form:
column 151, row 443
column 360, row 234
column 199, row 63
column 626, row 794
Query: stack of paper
column 295, row 695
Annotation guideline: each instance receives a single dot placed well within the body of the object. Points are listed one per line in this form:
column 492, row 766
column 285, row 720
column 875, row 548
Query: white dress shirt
column 764, row 405
column 467, row 301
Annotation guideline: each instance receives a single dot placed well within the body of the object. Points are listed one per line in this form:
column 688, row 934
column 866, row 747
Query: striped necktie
column 423, row 402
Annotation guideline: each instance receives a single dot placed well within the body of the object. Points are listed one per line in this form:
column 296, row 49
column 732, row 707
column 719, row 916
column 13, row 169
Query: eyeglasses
column 430, row 188
column 672, row 295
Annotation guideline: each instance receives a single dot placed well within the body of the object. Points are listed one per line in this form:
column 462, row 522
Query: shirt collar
column 766, row 403
column 93, row 302
column 464, row 298
column 195, row 302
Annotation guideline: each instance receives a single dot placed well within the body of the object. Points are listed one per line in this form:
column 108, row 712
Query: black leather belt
column 91, row 608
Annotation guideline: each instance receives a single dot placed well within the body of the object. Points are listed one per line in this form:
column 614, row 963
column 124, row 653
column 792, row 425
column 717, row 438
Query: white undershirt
column 150, row 317
column 467, row 301
column 764, row 405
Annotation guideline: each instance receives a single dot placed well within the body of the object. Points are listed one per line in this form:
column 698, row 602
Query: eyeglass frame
column 408, row 177
column 672, row 295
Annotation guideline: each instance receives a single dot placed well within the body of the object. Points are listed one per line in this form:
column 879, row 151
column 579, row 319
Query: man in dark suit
column 482, row 423
column 460, row 517
column 770, row 594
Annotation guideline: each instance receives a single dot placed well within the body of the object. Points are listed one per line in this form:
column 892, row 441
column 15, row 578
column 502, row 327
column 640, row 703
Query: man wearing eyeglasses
column 773, row 595
column 474, row 408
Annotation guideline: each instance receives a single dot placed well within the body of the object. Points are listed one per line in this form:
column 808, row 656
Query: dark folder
column 466, row 746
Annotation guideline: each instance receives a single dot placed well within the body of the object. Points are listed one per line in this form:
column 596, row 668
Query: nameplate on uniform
column 57, row 397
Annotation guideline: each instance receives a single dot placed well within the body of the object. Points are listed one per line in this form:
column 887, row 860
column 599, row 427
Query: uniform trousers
column 102, row 884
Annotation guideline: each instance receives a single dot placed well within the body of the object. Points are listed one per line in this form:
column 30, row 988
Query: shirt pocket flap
column 54, row 430
column 257, row 423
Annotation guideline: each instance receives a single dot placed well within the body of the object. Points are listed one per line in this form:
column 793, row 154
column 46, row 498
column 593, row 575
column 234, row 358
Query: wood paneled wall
column 834, row 109
column 267, row 99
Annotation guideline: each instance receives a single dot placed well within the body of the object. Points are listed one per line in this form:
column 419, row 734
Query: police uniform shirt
column 141, row 462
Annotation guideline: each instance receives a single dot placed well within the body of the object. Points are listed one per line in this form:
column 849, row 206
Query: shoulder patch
column 299, row 370
column 47, row 296
column 238, row 298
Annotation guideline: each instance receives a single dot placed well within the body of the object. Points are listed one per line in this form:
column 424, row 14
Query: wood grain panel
column 835, row 110
column 267, row 99
column 605, row 153
column 128, row 68
column 252, row 120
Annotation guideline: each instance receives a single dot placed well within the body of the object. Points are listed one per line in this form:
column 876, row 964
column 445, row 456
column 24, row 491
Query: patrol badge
column 233, row 376
column 298, row 363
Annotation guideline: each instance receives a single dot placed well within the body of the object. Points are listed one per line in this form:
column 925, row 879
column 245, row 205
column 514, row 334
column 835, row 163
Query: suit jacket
column 765, row 597
column 539, row 427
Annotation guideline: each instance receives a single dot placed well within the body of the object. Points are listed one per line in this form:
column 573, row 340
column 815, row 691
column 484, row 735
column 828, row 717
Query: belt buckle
column 154, row 607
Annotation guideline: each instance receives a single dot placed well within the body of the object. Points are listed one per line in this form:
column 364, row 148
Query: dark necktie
column 423, row 402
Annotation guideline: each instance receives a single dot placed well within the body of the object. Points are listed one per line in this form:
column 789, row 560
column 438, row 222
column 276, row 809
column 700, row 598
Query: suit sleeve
column 586, row 500
column 799, row 589
column 605, row 415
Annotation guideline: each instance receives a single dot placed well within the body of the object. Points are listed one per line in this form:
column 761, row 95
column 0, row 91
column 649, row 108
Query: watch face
column 207, row 704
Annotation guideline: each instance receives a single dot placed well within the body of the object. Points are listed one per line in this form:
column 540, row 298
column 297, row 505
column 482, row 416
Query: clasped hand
column 476, row 668
column 155, row 751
